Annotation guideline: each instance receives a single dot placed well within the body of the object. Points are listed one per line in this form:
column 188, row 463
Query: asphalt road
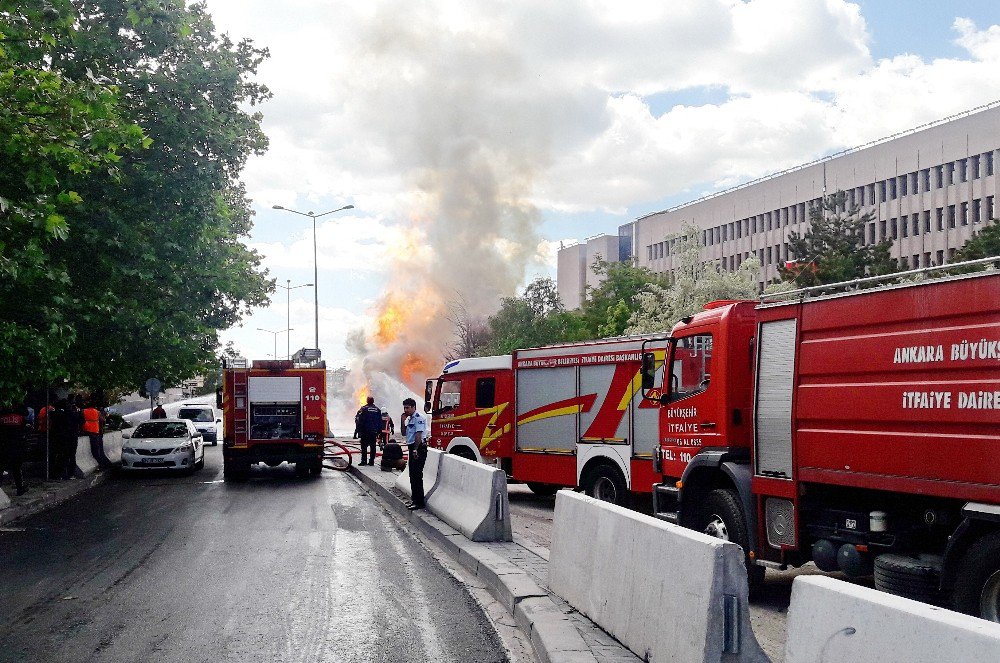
column 194, row 569
column 531, row 517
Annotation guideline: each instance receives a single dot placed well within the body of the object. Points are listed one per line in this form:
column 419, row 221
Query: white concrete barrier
column 667, row 593
column 472, row 498
column 430, row 475
column 833, row 620
column 4, row 500
column 112, row 448
column 86, row 464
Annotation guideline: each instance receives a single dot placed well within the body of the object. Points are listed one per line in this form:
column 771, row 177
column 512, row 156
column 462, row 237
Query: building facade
column 573, row 272
column 929, row 189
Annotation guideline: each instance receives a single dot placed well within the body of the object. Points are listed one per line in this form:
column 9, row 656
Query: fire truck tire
column 908, row 577
column 234, row 471
column 605, row 482
column 722, row 517
column 544, row 489
column 977, row 583
column 463, row 452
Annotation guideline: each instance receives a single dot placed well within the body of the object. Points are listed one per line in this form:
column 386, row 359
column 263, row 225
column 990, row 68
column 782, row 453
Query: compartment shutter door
column 275, row 389
column 773, row 411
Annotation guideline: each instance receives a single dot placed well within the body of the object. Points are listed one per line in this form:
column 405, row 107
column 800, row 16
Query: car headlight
column 187, row 446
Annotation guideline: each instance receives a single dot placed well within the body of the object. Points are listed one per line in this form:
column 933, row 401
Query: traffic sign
column 153, row 386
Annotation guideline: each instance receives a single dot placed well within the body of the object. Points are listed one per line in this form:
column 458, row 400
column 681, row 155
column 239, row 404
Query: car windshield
column 161, row 429
column 195, row 414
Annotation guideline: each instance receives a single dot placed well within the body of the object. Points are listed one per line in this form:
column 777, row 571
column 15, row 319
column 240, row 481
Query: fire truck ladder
column 241, row 408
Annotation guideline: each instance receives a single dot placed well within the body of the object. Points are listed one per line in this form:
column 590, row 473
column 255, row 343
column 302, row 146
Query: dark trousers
column 367, row 444
column 418, row 456
column 68, row 445
column 10, row 460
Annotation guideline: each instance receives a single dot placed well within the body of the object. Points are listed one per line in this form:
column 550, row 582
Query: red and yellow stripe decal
column 559, row 409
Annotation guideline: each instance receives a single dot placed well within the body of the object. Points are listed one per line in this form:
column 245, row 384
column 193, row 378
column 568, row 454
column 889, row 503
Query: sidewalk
column 515, row 574
column 43, row 494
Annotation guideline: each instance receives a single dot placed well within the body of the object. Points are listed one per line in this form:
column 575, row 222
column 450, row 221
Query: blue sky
column 475, row 137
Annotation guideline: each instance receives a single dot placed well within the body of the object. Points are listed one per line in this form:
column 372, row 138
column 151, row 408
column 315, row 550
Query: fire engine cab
column 274, row 412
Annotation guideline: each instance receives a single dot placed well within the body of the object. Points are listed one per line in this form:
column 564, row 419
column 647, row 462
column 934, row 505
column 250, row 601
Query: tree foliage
column 833, row 249
column 124, row 130
column 985, row 243
column 695, row 284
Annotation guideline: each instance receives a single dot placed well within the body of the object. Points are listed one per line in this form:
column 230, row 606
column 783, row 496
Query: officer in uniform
column 416, row 429
column 13, row 438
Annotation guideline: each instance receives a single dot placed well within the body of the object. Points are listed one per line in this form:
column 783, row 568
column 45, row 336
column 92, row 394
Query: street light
column 288, row 305
column 275, row 337
column 314, row 216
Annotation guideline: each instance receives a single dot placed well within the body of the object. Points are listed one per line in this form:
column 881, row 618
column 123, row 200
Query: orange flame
column 414, row 367
column 390, row 321
column 361, row 395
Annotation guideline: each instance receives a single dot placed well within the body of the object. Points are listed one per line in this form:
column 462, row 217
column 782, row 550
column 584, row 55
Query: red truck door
column 693, row 417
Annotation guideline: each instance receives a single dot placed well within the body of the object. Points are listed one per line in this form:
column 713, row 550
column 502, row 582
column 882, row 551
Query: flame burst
column 361, row 395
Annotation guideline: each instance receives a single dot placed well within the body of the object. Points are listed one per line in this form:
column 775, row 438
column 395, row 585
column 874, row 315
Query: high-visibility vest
column 91, row 421
column 42, row 420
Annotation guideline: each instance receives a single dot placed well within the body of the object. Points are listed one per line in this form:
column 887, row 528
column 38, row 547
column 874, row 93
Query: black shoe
column 415, row 507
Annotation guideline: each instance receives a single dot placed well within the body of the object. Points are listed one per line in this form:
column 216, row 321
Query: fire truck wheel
column 606, row 483
column 301, row 469
column 977, row 583
column 545, row 489
column 722, row 517
column 463, row 452
column 235, row 471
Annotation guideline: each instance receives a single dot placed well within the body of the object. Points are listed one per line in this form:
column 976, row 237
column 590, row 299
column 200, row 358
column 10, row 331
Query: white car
column 204, row 420
column 172, row 444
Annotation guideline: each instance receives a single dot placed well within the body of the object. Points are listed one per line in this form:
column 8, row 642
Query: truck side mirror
column 218, row 398
column 648, row 371
column 428, row 395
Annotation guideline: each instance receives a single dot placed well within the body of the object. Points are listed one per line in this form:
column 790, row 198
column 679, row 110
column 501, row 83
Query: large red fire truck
column 274, row 412
column 857, row 429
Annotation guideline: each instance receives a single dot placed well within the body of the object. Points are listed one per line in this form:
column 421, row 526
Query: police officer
column 14, row 429
column 416, row 428
column 369, row 420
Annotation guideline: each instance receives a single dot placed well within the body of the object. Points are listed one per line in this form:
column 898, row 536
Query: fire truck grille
column 780, row 517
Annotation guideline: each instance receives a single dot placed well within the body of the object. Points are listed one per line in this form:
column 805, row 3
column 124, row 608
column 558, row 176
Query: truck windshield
column 450, row 395
column 690, row 365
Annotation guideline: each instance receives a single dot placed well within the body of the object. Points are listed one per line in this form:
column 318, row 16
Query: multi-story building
column 574, row 273
column 929, row 190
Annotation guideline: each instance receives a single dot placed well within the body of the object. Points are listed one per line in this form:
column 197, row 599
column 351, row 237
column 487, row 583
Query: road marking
column 216, row 481
column 13, row 529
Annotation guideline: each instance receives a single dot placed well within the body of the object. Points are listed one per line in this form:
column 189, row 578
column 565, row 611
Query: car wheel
column 215, row 443
column 977, row 585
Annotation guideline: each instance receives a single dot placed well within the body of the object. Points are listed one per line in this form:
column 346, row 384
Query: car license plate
column 151, row 461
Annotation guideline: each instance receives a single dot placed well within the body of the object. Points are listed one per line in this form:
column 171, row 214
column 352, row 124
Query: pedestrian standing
column 91, row 427
column 65, row 430
column 13, row 440
column 416, row 428
column 158, row 412
column 369, row 420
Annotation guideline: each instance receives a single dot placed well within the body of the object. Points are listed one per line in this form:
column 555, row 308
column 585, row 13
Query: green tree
column 833, row 249
column 155, row 260
column 56, row 125
column 985, row 243
column 535, row 318
column 695, row 284
column 605, row 307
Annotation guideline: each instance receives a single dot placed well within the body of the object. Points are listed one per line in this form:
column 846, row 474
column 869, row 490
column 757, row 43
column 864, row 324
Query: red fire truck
column 274, row 412
column 559, row 416
column 856, row 429
column 859, row 430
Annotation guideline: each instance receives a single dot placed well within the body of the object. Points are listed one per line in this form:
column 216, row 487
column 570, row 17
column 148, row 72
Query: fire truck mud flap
column 665, row 592
column 472, row 498
column 430, row 475
column 832, row 620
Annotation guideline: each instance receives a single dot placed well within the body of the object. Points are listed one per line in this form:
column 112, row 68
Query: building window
column 881, row 192
column 769, row 255
column 938, row 177
column 989, row 207
column 964, row 214
column 902, row 185
column 704, row 238
column 649, row 252
column 989, row 162
column 760, row 256
column 916, row 260
column 882, row 234
column 974, row 166
column 939, row 213
column 904, row 263
column 949, row 173
column 915, row 224
column 913, row 183
column 895, row 229
column 925, row 176
column 951, row 216
column 927, row 220
column 905, row 229
column 927, row 259
column 940, row 257
column 892, row 189
column 871, row 232
column 976, row 204
column 963, row 170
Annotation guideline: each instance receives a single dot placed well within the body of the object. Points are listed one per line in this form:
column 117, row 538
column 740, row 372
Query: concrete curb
column 66, row 491
column 553, row 637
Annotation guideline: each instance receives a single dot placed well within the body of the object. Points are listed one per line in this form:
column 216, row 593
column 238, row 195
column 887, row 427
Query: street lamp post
column 275, row 333
column 314, row 216
column 288, row 310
